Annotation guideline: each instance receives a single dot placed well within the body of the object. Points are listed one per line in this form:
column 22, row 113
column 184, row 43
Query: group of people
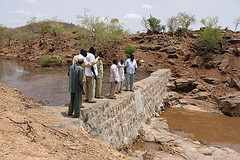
column 86, row 75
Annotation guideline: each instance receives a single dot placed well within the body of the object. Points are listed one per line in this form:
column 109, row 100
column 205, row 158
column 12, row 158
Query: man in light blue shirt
column 131, row 66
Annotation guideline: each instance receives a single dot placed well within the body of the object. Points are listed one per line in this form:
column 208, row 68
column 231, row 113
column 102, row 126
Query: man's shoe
column 99, row 97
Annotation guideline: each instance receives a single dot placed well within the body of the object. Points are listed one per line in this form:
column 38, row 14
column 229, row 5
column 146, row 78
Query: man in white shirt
column 114, row 79
column 90, row 75
column 131, row 66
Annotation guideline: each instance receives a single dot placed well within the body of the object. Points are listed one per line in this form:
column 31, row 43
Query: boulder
column 181, row 83
column 197, row 62
column 223, row 65
column 230, row 104
column 231, row 82
column 173, row 56
column 171, row 86
column 234, row 41
column 210, row 80
column 171, row 61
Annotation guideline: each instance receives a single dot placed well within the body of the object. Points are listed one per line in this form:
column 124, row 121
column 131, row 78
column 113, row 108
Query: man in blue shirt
column 76, row 87
column 131, row 66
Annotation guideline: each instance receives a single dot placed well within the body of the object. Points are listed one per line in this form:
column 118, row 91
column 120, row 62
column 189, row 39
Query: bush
column 27, row 39
column 129, row 50
column 53, row 27
column 152, row 24
column 185, row 20
column 98, row 32
column 48, row 60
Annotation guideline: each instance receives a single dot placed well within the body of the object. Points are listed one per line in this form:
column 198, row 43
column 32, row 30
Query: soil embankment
column 26, row 133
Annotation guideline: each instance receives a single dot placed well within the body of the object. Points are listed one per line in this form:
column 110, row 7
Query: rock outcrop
column 230, row 104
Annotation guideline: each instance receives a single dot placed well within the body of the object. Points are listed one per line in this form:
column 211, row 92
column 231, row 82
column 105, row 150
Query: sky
column 16, row 13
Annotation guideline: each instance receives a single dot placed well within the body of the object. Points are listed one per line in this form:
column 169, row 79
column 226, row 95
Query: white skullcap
column 80, row 58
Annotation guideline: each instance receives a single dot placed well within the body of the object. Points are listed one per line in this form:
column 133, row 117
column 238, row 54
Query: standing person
column 85, row 63
column 90, row 75
column 121, row 75
column 131, row 66
column 114, row 78
column 98, row 92
column 76, row 88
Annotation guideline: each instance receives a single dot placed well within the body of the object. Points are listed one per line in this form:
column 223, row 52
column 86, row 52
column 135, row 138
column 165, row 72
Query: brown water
column 49, row 85
column 210, row 128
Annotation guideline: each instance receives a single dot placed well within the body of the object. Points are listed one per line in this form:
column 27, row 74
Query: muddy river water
column 51, row 87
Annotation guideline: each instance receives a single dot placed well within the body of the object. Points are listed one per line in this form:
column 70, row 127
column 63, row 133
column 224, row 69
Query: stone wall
column 117, row 122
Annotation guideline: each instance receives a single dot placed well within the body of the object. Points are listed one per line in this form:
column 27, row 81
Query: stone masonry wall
column 116, row 122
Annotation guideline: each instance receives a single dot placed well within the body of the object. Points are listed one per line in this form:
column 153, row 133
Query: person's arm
column 87, row 64
column 92, row 69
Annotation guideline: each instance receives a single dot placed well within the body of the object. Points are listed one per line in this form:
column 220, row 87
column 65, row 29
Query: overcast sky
column 15, row 13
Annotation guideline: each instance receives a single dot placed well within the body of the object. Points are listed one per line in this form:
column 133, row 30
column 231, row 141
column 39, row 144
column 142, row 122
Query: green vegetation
column 185, row 20
column 129, row 50
column 48, row 60
column 9, row 35
column 209, row 37
column 153, row 24
column 53, row 27
column 99, row 32
column 1, row 33
column 27, row 39
column 210, row 22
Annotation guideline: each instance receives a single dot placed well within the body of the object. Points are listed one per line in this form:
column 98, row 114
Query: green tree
column 172, row 24
column 97, row 31
column 153, row 24
column 32, row 25
column 9, row 35
column 27, row 39
column 1, row 33
column 210, row 22
column 236, row 22
column 185, row 20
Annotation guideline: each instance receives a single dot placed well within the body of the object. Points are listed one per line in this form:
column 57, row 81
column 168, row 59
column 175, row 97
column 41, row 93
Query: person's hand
column 100, row 58
column 83, row 93
column 116, row 82
column 95, row 77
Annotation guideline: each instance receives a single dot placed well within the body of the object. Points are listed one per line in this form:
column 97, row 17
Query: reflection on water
column 48, row 85
column 212, row 128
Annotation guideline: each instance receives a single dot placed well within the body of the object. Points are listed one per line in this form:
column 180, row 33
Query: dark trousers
column 75, row 104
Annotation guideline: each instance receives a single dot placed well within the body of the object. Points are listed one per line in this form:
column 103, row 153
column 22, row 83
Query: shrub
column 55, row 28
column 236, row 23
column 153, row 24
column 210, row 22
column 9, row 35
column 129, row 50
column 27, row 39
column 98, row 32
column 48, row 60
column 172, row 24
column 185, row 20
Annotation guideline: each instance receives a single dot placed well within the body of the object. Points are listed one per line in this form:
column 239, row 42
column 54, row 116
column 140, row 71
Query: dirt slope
column 25, row 134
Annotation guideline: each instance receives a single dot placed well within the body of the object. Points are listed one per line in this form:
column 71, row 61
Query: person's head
column 80, row 59
column 115, row 61
column 121, row 61
column 100, row 54
column 92, row 50
column 84, row 52
column 132, row 57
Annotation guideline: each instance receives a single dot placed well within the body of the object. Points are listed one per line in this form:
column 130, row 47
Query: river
column 216, row 129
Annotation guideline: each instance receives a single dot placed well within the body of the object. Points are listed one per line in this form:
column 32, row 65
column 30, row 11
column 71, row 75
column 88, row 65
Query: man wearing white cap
column 76, row 87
